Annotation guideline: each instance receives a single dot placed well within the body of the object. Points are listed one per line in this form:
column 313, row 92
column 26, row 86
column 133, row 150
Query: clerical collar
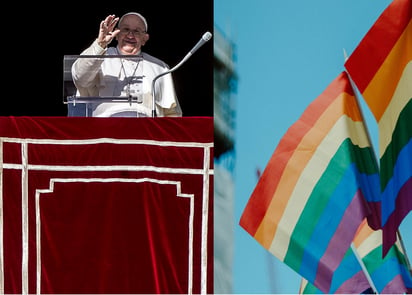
column 119, row 52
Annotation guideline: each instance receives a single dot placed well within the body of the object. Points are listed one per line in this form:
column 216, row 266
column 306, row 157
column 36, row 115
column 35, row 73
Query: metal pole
column 364, row 269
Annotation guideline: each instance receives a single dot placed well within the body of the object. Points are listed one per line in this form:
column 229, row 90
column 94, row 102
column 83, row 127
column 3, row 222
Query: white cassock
column 125, row 76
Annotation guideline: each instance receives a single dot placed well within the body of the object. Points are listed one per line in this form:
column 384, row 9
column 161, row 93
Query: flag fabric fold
column 390, row 274
column 309, row 200
column 381, row 68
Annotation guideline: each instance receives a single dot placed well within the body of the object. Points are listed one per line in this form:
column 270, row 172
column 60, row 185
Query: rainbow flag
column 309, row 200
column 348, row 278
column 389, row 274
column 381, row 68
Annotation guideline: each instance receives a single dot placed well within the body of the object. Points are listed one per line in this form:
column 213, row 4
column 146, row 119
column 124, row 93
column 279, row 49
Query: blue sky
column 288, row 52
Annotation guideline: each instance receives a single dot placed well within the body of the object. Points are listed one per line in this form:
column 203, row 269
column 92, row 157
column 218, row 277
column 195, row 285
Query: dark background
column 38, row 40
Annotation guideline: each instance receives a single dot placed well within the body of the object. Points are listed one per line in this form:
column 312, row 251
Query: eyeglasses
column 136, row 33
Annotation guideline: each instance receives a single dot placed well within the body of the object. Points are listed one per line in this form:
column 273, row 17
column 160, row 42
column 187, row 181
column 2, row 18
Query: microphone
column 206, row 37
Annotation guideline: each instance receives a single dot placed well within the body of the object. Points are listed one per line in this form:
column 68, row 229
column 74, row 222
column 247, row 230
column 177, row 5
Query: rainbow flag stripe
column 390, row 274
column 309, row 200
column 381, row 67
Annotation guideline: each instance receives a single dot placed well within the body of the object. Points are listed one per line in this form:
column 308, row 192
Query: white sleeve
column 85, row 70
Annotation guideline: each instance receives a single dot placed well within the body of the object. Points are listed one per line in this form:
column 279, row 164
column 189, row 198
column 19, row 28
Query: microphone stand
column 154, row 81
column 206, row 37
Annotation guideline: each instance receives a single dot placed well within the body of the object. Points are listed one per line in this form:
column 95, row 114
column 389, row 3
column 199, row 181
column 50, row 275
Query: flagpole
column 355, row 251
column 365, row 271
column 369, row 138
column 360, row 109
column 408, row 264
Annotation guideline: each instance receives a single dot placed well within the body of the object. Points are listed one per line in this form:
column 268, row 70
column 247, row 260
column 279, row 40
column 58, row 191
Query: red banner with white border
column 106, row 205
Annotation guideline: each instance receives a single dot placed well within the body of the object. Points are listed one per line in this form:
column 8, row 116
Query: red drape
column 106, row 205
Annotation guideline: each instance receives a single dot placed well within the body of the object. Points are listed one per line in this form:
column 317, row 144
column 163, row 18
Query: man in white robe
column 125, row 71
